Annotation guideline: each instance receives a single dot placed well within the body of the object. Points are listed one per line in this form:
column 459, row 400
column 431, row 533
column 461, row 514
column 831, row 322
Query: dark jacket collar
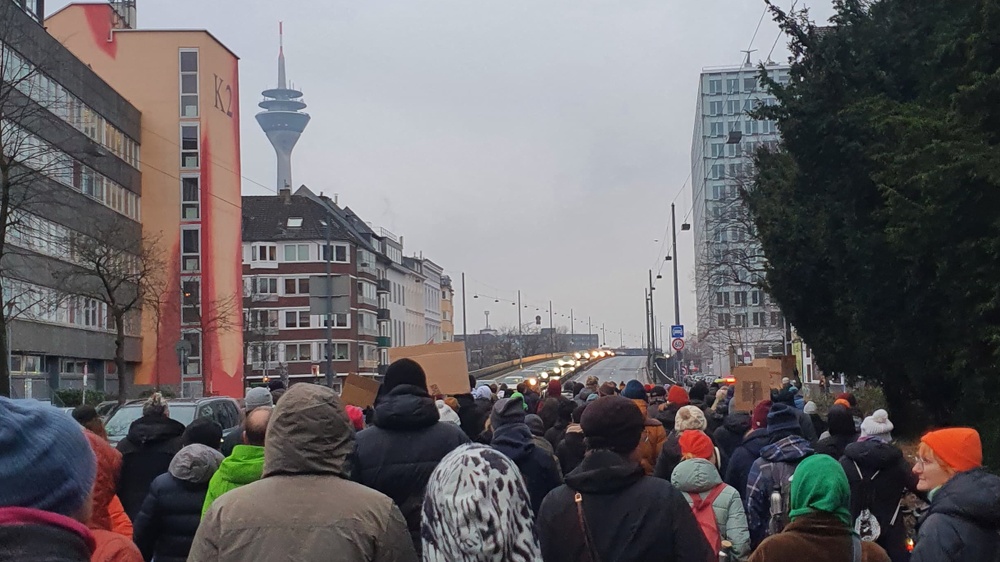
column 154, row 429
column 406, row 407
column 604, row 472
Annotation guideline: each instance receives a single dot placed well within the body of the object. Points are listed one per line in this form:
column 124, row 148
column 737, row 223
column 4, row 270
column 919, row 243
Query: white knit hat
column 690, row 417
column 877, row 426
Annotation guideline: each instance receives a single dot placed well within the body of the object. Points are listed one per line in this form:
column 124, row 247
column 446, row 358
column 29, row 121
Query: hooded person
column 689, row 418
column 697, row 477
column 564, row 416
column 257, row 397
column 150, row 445
column 748, row 451
column 853, row 408
column 110, row 546
column 469, row 415
column 787, row 396
column 477, row 509
column 397, row 454
column 810, row 409
column 842, row 434
column 729, row 435
column 305, row 486
column 537, row 429
column 772, row 472
column 821, row 528
column 512, row 437
column 171, row 512
column 47, row 474
column 246, row 464
column 572, row 449
column 483, row 397
column 653, row 436
column 879, row 478
column 963, row 520
column 608, row 509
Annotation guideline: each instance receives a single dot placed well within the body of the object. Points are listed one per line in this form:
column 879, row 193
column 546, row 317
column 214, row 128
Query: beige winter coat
column 304, row 508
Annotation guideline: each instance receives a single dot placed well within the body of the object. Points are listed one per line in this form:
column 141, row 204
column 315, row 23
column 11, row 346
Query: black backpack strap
column 588, row 540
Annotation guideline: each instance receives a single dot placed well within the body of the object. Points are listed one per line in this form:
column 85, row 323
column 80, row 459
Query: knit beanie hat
column 696, row 445
column 852, row 402
column 958, row 447
column 612, row 422
column 840, row 421
column 403, row 371
column 657, row 390
column 204, row 431
column 474, row 510
column 276, row 384
column 554, row 389
column 634, row 390
column 820, row 485
column 690, row 417
column 842, row 402
column 518, row 396
column 877, row 426
column 507, row 411
column 257, row 397
column 677, row 395
column 810, row 408
column 608, row 389
column 155, row 405
column 46, row 462
column 759, row 418
column 593, row 397
column 535, row 424
column 782, row 418
column 578, row 413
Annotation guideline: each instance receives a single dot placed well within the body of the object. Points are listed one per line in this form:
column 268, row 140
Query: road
column 618, row 369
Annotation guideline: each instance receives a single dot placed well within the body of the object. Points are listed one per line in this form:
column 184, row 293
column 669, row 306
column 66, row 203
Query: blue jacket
column 538, row 467
column 761, row 481
column 743, row 458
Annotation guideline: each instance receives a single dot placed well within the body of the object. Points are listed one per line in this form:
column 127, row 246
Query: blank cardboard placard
column 778, row 367
column 359, row 391
column 753, row 386
column 444, row 364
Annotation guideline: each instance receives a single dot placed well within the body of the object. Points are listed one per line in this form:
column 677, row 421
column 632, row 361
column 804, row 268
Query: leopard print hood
column 477, row 509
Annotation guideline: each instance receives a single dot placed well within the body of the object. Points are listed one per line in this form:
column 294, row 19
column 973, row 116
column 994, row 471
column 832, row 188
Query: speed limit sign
column 677, row 344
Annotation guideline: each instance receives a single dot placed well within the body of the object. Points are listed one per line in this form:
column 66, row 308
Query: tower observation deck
column 283, row 119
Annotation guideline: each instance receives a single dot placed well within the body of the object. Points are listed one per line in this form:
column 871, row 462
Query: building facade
column 186, row 84
column 736, row 319
column 70, row 146
column 447, row 310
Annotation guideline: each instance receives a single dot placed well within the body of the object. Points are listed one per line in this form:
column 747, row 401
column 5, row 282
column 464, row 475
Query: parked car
column 224, row 410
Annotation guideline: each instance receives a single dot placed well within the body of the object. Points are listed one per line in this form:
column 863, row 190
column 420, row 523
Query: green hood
column 820, row 485
column 695, row 476
column 244, row 466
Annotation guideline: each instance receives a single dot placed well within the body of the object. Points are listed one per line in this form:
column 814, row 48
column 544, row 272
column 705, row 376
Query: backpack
column 866, row 525
column 780, row 498
column 705, row 514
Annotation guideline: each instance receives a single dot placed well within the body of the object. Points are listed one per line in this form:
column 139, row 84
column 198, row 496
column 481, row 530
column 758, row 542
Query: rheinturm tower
column 282, row 118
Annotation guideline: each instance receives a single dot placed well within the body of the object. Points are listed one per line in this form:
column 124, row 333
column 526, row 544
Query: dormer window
column 294, row 222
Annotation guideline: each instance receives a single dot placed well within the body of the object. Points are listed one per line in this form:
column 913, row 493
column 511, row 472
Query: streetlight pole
column 552, row 334
column 572, row 325
column 465, row 321
column 520, row 333
column 677, row 294
column 652, row 317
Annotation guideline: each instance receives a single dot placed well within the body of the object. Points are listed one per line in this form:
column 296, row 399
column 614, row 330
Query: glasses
column 921, row 462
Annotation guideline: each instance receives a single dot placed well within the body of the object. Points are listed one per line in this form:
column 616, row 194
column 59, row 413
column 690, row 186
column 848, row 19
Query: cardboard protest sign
column 778, row 367
column 753, row 385
column 359, row 391
column 444, row 364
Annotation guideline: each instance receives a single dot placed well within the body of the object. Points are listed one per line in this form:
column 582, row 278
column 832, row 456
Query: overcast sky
column 532, row 144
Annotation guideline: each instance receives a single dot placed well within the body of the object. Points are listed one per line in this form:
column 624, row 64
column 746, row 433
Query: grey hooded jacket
column 698, row 476
column 304, row 508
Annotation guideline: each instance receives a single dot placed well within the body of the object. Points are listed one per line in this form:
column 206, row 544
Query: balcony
column 365, row 269
column 384, row 341
column 367, row 331
column 384, row 314
column 370, row 301
column 383, row 286
column 369, row 364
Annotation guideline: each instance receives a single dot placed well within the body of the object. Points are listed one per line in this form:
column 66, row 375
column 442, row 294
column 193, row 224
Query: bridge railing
column 500, row 368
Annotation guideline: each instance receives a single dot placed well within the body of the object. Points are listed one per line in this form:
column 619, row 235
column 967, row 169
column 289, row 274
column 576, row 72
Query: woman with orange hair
column 963, row 521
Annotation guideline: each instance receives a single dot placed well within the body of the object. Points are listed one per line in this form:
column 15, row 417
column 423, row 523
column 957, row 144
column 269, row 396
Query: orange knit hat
column 842, row 402
column 695, row 444
column 958, row 447
column 677, row 395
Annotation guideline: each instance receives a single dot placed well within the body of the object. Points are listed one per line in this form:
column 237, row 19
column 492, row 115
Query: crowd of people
column 570, row 472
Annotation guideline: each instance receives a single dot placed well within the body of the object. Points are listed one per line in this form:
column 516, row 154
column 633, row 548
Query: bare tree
column 260, row 324
column 126, row 273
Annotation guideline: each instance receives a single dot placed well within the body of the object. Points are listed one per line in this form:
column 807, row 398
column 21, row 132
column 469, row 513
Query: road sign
column 677, row 331
column 677, row 344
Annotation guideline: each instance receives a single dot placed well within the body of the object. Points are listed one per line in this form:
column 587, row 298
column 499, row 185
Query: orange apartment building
column 185, row 83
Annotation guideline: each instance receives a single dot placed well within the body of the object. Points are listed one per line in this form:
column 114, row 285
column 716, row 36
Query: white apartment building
column 736, row 319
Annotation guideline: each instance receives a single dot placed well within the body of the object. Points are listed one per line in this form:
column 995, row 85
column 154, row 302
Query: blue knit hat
column 634, row 390
column 46, row 462
column 782, row 418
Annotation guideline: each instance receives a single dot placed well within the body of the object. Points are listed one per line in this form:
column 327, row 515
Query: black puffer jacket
column 730, row 434
column 738, row 470
column 963, row 522
column 537, row 466
column 630, row 517
column 571, row 449
column 398, row 454
column 170, row 514
column 884, row 479
column 147, row 450
column 842, row 433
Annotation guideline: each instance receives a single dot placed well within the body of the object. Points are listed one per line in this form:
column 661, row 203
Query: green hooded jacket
column 244, row 466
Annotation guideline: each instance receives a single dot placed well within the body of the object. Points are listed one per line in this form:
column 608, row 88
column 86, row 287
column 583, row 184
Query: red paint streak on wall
column 238, row 238
column 167, row 371
column 99, row 21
